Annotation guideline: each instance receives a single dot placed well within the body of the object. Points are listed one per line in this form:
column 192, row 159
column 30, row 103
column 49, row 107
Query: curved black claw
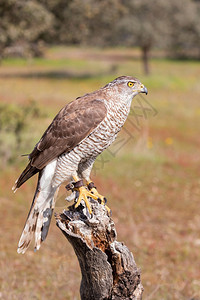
column 105, row 200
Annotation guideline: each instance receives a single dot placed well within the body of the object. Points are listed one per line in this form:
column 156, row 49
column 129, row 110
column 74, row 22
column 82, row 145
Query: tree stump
column 107, row 266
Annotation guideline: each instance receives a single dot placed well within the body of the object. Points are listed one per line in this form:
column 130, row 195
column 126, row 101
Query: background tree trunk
column 107, row 266
column 145, row 59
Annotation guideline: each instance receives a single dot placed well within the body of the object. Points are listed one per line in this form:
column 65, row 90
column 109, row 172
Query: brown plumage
column 71, row 125
column 69, row 147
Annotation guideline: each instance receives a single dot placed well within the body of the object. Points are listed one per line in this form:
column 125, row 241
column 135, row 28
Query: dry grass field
column 150, row 175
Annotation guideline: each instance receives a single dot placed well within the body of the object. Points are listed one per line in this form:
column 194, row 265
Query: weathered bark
column 107, row 266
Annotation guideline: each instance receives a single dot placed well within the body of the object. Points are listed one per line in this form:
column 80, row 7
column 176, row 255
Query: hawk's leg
column 100, row 198
column 83, row 193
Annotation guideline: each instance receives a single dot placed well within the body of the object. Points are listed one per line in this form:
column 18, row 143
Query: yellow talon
column 99, row 197
column 83, row 194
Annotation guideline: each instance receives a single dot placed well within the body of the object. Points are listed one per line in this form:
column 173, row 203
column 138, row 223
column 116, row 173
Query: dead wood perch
column 107, row 266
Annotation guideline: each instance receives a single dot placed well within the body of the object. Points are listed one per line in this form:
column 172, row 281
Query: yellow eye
column 130, row 83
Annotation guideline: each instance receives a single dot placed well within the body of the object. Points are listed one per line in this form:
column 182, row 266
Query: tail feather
column 43, row 223
column 41, row 211
column 27, row 233
column 28, row 172
column 38, row 222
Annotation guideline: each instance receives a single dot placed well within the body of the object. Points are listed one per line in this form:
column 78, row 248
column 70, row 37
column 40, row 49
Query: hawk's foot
column 102, row 200
column 83, row 193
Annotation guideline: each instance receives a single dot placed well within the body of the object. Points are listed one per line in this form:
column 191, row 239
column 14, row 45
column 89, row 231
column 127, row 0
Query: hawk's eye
column 130, row 83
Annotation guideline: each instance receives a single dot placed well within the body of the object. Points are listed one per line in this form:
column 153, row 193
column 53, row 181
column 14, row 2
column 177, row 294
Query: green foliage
column 163, row 24
column 170, row 25
column 143, row 24
column 93, row 22
column 14, row 121
column 59, row 32
column 185, row 29
column 21, row 25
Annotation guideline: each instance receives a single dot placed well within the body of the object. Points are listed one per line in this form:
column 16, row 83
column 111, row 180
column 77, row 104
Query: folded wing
column 71, row 125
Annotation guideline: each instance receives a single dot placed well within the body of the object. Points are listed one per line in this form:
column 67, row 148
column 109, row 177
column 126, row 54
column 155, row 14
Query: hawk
column 68, row 149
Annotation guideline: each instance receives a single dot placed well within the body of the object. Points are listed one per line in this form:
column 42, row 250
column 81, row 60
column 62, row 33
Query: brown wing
column 71, row 125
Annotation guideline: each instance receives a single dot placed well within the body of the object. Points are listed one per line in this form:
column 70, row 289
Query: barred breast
column 93, row 145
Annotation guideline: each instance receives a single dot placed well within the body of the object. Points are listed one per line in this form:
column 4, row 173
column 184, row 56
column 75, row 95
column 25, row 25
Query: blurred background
column 54, row 51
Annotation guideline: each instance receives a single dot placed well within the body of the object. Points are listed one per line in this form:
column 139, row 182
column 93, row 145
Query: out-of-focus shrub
column 14, row 122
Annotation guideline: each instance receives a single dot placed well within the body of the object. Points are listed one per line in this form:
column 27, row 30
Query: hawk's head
column 127, row 87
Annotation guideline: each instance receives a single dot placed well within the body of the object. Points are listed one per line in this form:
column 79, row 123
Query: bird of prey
column 68, row 149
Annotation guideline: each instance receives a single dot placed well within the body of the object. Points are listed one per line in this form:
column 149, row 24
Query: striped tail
column 39, row 217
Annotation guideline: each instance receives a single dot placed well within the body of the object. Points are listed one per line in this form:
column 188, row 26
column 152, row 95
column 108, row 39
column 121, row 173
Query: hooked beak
column 143, row 89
